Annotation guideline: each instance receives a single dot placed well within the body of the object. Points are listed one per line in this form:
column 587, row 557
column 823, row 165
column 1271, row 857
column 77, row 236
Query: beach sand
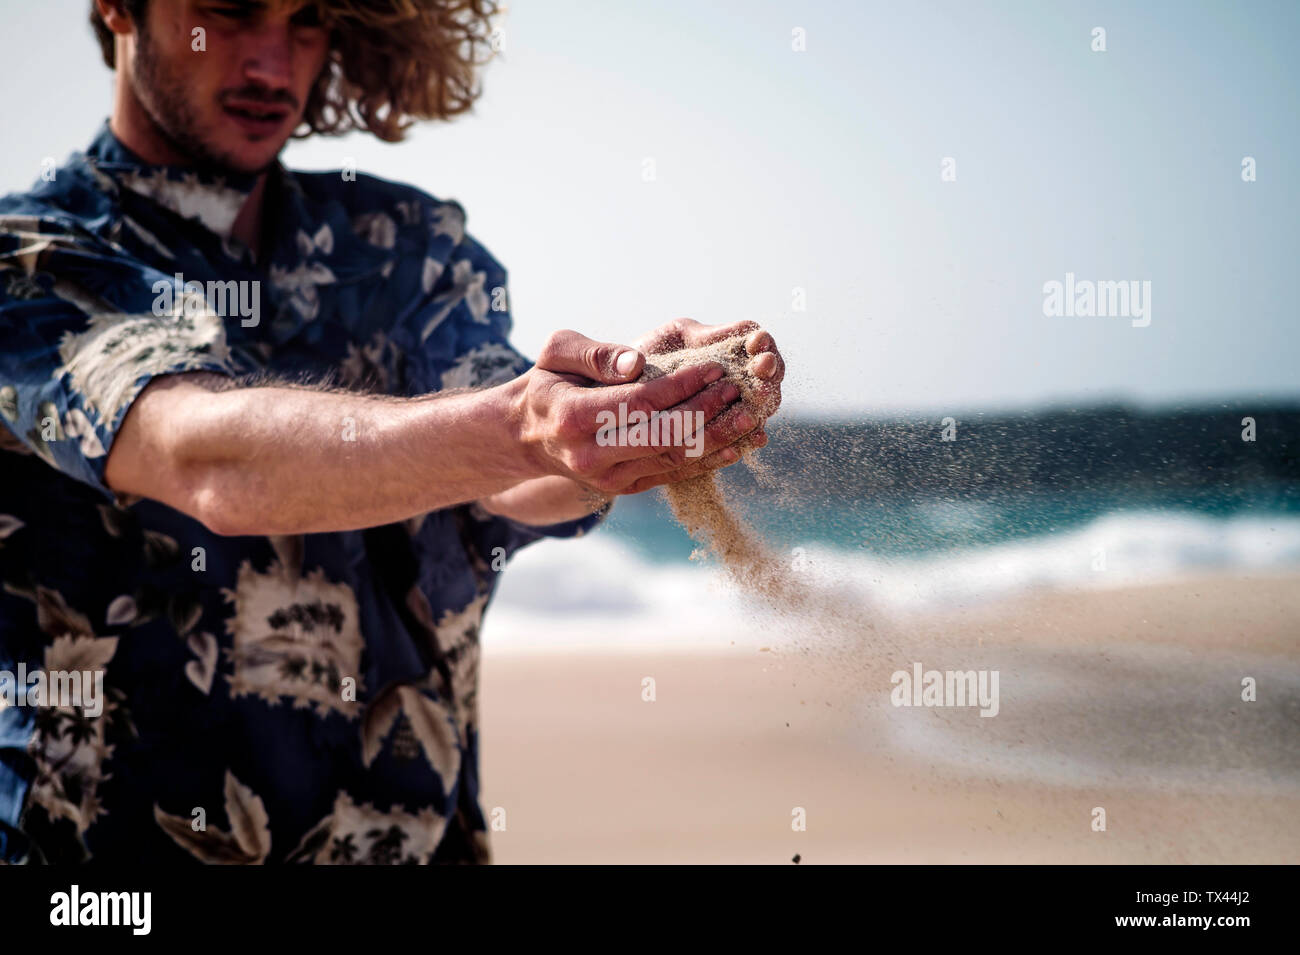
column 1127, row 700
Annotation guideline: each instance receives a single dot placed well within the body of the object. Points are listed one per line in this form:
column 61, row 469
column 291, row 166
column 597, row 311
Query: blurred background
column 887, row 188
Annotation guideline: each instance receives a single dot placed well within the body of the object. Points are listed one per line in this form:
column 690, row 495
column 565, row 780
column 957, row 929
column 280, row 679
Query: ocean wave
column 599, row 592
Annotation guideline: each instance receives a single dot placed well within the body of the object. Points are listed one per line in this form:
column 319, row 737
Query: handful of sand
column 731, row 354
column 698, row 503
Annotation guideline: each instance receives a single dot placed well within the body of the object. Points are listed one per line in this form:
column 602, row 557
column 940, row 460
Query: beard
column 164, row 98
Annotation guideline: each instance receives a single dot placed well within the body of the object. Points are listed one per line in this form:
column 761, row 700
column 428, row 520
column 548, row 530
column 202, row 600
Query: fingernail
column 625, row 363
column 730, row 456
column 730, row 393
column 746, row 422
column 714, row 374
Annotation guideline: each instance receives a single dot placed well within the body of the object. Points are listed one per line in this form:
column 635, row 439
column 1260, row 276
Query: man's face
column 226, row 81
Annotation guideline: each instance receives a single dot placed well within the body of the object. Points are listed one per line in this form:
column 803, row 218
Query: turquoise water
column 897, row 526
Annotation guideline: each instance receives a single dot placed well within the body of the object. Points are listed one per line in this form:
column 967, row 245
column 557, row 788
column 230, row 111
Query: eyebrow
column 263, row 6
column 251, row 6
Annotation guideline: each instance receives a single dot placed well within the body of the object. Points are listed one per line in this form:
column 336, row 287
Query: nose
column 267, row 57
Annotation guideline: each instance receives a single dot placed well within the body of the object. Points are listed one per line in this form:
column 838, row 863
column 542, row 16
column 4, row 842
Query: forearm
column 543, row 501
column 282, row 460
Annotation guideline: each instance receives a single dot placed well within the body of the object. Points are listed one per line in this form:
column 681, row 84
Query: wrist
column 503, row 408
column 508, row 406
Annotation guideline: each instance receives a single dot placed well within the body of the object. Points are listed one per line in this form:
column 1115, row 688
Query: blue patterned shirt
column 301, row 698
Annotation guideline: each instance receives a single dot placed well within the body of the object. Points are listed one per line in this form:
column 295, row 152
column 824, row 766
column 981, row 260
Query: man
column 267, row 446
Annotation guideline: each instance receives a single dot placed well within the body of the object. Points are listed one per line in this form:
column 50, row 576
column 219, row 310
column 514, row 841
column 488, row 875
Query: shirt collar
column 211, row 199
column 313, row 241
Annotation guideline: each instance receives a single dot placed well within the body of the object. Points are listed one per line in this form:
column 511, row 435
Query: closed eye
column 308, row 16
column 235, row 10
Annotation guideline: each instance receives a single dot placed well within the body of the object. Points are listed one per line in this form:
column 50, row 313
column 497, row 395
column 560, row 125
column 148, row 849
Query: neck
column 247, row 227
column 137, row 131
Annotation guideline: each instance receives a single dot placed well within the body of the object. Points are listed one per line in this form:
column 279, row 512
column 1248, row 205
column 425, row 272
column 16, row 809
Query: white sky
column 820, row 170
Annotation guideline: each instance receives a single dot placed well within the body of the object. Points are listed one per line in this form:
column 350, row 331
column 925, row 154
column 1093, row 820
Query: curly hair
column 390, row 63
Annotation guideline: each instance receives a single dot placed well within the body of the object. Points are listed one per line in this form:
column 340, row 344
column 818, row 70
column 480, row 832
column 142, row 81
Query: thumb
column 571, row 353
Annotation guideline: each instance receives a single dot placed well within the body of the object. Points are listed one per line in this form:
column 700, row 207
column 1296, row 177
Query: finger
column 570, row 352
column 753, row 441
column 766, row 366
column 719, row 434
column 679, row 425
column 708, row 334
column 719, row 459
column 765, row 396
column 730, row 427
column 677, row 434
column 669, row 337
column 712, row 462
column 688, row 333
column 766, row 363
column 647, row 397
column 706, row 406
column 759, row 341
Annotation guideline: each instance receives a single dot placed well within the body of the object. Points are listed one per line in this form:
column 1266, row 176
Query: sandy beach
column 1128, row 700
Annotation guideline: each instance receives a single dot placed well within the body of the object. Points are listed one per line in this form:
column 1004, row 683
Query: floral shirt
column 308, row 698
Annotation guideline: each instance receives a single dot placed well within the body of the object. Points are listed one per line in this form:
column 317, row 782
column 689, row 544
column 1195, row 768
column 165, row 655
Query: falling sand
column 701, row 506
column 1101, row 701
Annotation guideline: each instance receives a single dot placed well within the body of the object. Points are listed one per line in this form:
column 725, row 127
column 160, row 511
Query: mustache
column 262, row 95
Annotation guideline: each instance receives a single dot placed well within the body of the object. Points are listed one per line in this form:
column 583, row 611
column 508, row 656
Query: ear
column 115, row 17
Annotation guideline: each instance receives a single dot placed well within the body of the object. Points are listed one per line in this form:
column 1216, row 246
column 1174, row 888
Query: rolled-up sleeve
column 83, row 329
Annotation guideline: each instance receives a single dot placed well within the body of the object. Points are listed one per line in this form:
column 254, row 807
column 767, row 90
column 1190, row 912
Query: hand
column 765, row 363
column 558, row 413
